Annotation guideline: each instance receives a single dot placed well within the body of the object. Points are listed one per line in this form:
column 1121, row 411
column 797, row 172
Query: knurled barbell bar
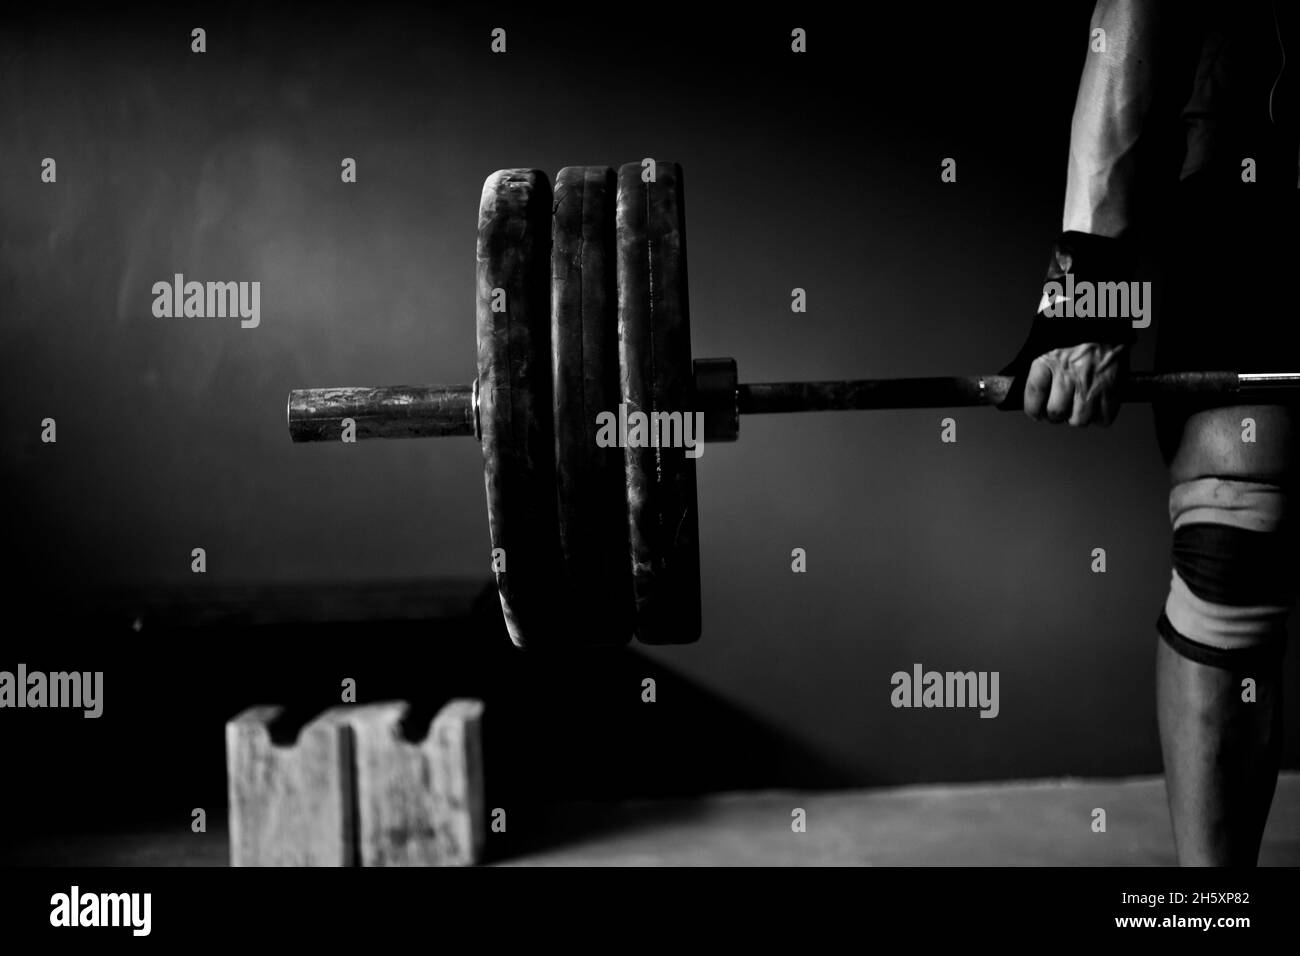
column 582, row 308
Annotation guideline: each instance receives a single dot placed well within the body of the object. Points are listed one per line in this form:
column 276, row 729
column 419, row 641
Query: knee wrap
column 1235, row 570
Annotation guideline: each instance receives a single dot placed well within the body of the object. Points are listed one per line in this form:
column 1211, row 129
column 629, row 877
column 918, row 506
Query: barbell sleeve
column 423, row 411
column 395, row 411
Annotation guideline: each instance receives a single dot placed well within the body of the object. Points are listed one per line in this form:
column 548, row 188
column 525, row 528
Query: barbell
column 583, row 315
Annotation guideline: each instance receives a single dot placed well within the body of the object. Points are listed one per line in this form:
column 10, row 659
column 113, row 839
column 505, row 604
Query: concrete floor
column 1022, row 824
column 1046, row 823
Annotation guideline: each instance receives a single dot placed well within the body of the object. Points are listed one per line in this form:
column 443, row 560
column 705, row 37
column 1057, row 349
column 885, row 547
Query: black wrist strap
column 1088, row 258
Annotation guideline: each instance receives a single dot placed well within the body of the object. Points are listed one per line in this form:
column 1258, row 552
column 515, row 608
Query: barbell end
column 397, row 411
column 1268, row 381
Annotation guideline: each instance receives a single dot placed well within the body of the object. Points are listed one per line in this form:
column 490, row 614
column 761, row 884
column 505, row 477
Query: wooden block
column 290, row 805
column 419, row 803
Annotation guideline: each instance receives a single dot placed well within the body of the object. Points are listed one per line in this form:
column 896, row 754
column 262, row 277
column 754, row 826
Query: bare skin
column 1221, row 757
column 1075, row 385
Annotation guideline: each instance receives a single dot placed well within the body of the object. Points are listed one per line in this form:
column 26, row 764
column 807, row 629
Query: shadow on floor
column 558, row 728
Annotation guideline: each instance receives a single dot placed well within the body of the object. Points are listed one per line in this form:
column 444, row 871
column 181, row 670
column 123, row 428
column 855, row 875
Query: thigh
column 1220, row 308
column 1212, row 442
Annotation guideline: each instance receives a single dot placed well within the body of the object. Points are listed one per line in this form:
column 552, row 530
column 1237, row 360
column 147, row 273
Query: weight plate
column 592, row 503
column 654, row 336
column 514, row 399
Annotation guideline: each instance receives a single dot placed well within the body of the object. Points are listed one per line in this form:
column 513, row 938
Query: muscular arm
column 1116, row 94
column 1132, row 72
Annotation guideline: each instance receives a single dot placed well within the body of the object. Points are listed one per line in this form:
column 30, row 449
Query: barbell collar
column 717, row 395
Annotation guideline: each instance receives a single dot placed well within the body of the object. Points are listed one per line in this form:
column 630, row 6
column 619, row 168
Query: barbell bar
column 582, row 305
column 439, row 411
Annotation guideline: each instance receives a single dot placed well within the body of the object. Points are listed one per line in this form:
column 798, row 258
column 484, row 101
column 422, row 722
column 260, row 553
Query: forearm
column 1116, row 94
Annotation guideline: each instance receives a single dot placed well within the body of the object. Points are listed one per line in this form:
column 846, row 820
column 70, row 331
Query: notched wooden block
column 419, row 803
column 291, row 804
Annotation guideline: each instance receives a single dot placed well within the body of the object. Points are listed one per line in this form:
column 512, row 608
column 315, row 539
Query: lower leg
column 1221, row 755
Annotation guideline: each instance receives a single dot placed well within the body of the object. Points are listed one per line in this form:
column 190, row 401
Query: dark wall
column 818, row 171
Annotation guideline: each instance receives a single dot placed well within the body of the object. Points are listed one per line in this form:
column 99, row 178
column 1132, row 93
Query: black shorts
column 1225, row 301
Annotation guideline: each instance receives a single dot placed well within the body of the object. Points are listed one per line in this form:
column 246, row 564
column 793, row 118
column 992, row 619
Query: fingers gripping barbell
column 582, row 306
